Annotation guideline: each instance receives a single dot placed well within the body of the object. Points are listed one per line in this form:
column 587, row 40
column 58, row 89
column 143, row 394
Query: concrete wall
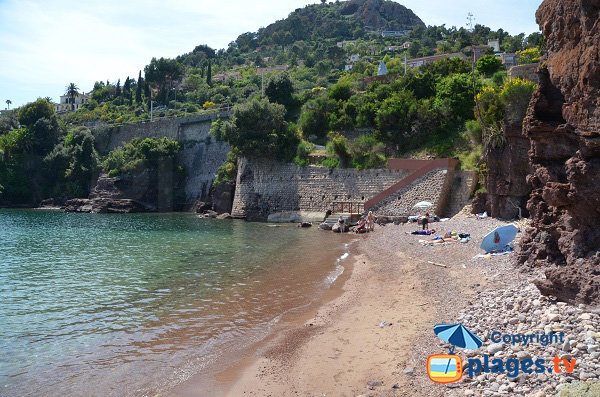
column 433, row 186
column 201, row 155
column 527, row 72
column 265, row 187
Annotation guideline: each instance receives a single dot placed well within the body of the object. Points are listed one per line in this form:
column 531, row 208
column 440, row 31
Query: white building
column 68, row 104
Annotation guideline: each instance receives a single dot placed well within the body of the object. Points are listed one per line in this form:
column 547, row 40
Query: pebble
column 494, row 348
column 375, row 383
column 530, row 314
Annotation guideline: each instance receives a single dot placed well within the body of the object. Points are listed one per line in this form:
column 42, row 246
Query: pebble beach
column 374, row 339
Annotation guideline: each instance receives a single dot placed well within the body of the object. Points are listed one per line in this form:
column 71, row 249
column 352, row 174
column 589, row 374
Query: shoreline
column 369, row 342
column 346, row 323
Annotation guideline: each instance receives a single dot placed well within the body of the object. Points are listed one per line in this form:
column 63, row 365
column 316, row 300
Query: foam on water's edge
column 339, row 269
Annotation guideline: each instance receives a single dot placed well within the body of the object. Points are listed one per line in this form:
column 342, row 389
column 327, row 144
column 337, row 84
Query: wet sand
column 363, row 337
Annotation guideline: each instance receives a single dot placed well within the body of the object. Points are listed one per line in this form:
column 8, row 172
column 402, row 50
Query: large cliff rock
column 563, row 124
column 506, row 181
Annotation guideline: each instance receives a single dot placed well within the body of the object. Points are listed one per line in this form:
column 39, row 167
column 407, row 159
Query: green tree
column 258, row 128
column 395, row 117
column 280, row 89
column 140, row 153
column 488, row 64
column 341, row 91
column 8, row 103
column 529, row 55
column 209, row 73
column 139, row 87
column 118, row 89
column 314, row 118
column 72, row 165
column 34, row 111
column 127, row 90
column 163, row 72
column 454, row 96
column 72, row 91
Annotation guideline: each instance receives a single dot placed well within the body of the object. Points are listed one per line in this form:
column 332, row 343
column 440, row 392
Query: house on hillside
column 508, row 59
column 417, row 62
column 394, row 33
column 68, row 104
column 494, row 44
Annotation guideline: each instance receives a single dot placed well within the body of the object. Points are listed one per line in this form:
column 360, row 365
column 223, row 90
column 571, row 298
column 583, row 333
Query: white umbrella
column 423, row 205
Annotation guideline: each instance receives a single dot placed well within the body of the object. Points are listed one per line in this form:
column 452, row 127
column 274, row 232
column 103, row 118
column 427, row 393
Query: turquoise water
column 113, row 305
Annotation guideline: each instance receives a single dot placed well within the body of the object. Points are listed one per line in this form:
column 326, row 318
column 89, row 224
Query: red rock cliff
column 563, row 125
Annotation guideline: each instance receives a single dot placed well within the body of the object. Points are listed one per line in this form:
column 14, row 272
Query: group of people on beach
column 365, row 223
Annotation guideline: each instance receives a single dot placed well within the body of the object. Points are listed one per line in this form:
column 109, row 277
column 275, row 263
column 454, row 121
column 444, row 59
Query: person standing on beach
column 371, row 221
column 425, row 221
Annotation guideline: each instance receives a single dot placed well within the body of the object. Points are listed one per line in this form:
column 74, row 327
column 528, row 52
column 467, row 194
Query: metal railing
column 351, row 207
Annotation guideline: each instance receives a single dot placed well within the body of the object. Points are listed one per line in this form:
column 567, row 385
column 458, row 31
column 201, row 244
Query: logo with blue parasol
column 447, row 368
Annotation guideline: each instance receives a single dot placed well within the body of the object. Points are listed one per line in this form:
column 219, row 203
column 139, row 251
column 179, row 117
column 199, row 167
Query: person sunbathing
column 424, row 232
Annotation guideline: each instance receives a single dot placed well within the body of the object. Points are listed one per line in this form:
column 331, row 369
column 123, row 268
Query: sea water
column 131, row 305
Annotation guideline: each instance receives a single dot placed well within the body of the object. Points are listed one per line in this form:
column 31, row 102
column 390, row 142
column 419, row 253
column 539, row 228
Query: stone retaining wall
column 434, row 187
column 264, row 187
column 201, row 155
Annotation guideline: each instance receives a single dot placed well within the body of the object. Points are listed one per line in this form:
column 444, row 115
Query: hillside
column 340, row 20
column 312, row 77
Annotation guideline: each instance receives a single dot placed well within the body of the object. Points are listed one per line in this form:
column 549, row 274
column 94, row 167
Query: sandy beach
column 366, row 337
column 374, row 330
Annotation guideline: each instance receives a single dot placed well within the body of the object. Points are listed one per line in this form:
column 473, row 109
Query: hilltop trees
column 258, row 129
column 163, row 72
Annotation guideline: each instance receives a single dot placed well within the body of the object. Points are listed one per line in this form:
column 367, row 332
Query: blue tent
column 457, row 335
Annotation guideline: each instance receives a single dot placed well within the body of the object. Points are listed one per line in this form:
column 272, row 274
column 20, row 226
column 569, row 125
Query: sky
column 47, row 44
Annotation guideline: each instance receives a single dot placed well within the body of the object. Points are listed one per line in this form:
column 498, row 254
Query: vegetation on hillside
column 289, row 93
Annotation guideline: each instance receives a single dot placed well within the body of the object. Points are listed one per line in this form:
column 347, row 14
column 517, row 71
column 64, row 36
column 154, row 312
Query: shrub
column 140, row 152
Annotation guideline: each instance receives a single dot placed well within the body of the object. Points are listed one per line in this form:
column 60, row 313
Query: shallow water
column 112, row 305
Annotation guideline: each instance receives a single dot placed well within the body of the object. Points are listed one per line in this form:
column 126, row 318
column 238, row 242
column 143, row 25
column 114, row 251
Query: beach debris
column 410, row 371
column 384, row 324
column 396, row 386
column 305, row 224
column 325, row 226
column 483, row 215
column 437, row 264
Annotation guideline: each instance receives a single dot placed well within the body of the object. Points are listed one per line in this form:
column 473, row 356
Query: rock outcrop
column 506, row 181
column 563, row 125
column 107, row 197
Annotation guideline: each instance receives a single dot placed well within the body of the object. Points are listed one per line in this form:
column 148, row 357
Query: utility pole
column 470, row 20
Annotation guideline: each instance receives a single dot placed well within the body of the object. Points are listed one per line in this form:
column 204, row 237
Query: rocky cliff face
column 506, row 181
column 563, row 125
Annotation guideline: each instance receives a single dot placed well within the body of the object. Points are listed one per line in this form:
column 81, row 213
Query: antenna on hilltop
column 470, row 20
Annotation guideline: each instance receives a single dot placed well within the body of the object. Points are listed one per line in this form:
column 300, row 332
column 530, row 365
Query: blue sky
column 46, row 44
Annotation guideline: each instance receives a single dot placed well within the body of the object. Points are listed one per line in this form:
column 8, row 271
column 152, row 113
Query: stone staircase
column 349, row 219
column 462, row 188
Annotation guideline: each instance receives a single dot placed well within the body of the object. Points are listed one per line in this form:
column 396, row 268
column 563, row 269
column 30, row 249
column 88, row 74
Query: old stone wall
column 201, row 155
column 264, row 187
column 433, row 187
column 527, row 72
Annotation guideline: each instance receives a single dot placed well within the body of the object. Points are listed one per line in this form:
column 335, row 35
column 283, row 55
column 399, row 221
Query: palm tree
column 8, row 103
column 72, row 92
